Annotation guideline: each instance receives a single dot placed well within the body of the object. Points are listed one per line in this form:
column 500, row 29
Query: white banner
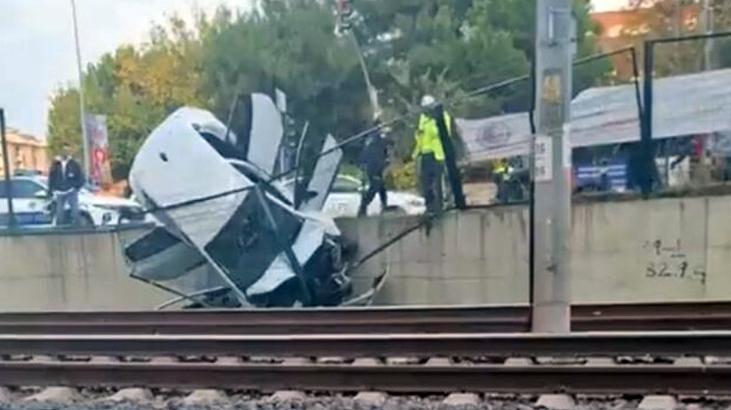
column 683, row 106
column 495, row 137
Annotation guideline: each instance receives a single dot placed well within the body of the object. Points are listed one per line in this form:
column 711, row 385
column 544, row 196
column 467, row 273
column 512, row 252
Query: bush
column 403, row 176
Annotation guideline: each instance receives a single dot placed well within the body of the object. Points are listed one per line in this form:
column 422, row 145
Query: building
column 25, row 153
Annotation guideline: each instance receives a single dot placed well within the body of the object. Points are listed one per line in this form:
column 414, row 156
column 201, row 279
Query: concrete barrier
column 57, row 270
column 656, row 250
column 476, row 256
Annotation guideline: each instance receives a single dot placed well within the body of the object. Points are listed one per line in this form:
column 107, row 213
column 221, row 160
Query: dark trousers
column 430, row 173
column 70, row 198
column 376, row 185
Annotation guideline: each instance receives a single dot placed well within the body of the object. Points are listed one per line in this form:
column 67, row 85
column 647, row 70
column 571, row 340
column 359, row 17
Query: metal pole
column 636, row 82
column 82, row 103
column 551, row 310
column 647, row 157
column 450, row 158
column 372, row 92
column 6, row 166
column 299, row 191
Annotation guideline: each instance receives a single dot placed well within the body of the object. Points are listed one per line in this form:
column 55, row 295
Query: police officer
column 429, row 154
column 374, row 159
column 500, row 178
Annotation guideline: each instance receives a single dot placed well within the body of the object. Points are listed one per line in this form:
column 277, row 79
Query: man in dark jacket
column 65, row 179
column 374, row 159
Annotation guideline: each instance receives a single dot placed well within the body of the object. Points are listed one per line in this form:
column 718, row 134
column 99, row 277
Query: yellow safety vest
column 427, row 137
column 501, row 167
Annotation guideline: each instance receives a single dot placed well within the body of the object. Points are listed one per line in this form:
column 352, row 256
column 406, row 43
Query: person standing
column 65, row 179
column 429, row 154
column 374, row 160
column 500, row 178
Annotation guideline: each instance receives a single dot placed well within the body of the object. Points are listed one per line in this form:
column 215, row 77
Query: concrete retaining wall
column 657, row 250
column 478, row 256
column 66, row 271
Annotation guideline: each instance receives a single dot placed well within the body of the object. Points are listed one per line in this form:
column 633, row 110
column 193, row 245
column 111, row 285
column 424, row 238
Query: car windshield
column 21, row 189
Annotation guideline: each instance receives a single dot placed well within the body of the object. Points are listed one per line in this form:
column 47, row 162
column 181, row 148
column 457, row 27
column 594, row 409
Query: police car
column 31, row 205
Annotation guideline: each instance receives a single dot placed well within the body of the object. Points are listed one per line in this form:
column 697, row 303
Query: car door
column 28, row 205
column 344, row 198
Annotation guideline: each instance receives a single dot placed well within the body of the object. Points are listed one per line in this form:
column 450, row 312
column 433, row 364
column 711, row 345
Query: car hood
column 108, row 201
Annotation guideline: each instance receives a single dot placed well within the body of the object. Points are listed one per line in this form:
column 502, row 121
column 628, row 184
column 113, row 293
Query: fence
column 605, row 127
column 686, row 138
column 673, row 132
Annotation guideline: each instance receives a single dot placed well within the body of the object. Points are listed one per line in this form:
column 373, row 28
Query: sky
column 37, row 54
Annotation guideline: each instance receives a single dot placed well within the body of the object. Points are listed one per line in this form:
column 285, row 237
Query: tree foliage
column 674, row 18
column 411, row 47
column 136, row 87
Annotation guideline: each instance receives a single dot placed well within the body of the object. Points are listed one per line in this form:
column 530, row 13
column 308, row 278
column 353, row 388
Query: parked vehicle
column 32, row 206
column 346, row 193
column 29, row 202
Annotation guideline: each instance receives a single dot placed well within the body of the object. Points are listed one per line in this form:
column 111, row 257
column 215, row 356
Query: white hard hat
column 427, row 101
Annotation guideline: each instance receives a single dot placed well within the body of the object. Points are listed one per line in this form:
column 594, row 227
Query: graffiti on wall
column 668, row 260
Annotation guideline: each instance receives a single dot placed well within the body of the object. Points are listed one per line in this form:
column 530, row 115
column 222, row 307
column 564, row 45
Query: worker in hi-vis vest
column 429, row 154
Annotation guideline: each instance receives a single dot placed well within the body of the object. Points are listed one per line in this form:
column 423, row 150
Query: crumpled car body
column 230, row 234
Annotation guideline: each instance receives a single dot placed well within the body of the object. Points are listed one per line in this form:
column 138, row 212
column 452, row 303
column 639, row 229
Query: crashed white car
column 229, row 234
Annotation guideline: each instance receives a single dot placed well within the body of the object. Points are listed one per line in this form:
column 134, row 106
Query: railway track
column 437, row 350
column 469, row 345
column 582, row 363
column 466, row 319
column 572, row 379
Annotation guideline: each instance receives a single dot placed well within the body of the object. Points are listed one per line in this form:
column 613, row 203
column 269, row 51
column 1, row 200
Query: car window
column 346, row 185
column 21, row 189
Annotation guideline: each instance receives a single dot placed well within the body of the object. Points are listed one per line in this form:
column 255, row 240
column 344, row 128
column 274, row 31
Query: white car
column 345, row 196
column 30, row 205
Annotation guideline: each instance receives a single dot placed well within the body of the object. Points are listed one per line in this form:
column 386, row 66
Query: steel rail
column 663, row 344
column 459, row 319
column 627, row 379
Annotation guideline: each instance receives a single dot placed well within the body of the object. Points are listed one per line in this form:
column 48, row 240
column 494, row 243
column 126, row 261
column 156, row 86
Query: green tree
column 136, row 87
column 411, row 47
column 673, row 18
column 289, row 45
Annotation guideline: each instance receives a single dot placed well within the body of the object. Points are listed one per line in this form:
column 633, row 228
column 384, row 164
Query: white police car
column 31, row 205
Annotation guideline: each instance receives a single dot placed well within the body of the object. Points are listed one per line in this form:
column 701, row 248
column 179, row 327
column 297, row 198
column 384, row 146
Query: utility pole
column 555, row 47
column 344, row 13
column 372, row 92
column 82, row 103
column 6, row 168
